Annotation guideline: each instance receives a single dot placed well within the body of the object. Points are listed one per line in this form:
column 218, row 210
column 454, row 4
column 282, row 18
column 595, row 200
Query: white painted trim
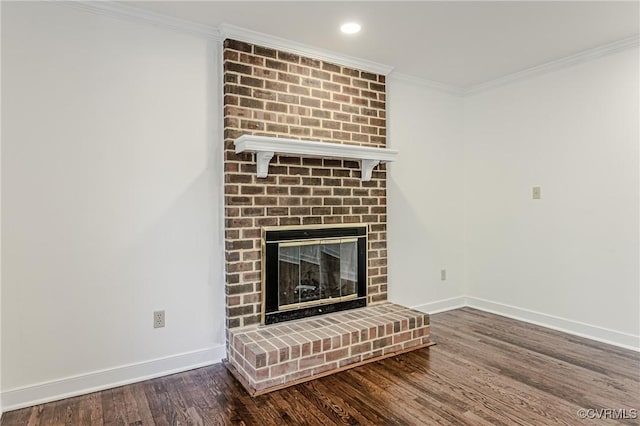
column 121, row 10
column 567, row 61
column 219, row 166
column 442, row 305
column 576, row 328
column 54, row 390
column 593, row 332
column 265, row 146
column 94, row 381
column 555, row 65
column 1, row 410
column 273, row 42
column 431, row 84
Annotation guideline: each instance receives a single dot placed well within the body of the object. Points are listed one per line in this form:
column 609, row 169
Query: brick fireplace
column 275, row 93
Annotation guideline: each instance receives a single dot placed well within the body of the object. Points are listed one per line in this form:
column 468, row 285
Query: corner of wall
column 1, row 406
column 466, row 285
column 216, row 165
column 425, row 187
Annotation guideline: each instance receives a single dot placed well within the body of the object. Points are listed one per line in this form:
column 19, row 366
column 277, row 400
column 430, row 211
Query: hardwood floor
column 484, row 370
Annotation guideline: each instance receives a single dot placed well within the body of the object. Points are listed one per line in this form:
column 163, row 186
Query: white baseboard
column 577, row 328
column 81, row 384
column 442, row 305
column 593, row 332
column 40, row 393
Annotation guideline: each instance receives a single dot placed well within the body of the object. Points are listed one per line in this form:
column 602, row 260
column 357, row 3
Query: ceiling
column 458, row 43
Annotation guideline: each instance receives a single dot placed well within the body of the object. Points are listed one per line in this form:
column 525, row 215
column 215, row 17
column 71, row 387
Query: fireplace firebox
column 314, row 270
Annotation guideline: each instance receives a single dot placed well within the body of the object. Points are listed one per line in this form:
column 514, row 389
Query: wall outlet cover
column 158, row 319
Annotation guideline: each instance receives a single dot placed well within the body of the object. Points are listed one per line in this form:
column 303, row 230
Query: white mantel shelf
column 265, row 147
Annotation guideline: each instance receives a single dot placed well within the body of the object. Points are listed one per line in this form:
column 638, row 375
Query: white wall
column 110, row 210
column 425, row 195
column 570, row 258
column 1, row 410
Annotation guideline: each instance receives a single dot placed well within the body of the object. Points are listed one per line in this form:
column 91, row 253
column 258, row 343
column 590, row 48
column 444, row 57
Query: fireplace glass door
column 313, row 272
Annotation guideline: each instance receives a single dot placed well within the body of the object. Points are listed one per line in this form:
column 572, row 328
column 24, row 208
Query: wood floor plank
column 207, row 406
column 313, row 413
column 354, row 404
column 245, row 407
column 497, row 409
column 565, row 380
column 500, row 401
column 84, row 409
column 35, row 415
column 484, row 370
column 337, row 414
column 401, row 393
column 153, row 391
column 592, row 355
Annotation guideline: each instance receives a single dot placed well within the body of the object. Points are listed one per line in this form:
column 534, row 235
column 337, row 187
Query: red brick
column 337, row 354
column 348, row 361
column 311, row 361
column 312, row 220
column 299, row 375
column 330, row 86
column 300, row 211
column 264, row 51
column 360, row 348
column 305, row 349
column 289, row 221
column 284, row 368
column 325, row 367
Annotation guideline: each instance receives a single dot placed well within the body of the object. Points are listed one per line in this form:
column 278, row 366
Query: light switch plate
column 536, row 192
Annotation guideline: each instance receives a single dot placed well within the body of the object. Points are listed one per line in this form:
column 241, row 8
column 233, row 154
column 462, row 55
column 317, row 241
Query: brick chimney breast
column 273, row 93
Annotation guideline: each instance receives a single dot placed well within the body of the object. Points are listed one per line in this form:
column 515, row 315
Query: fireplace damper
column 310, row 271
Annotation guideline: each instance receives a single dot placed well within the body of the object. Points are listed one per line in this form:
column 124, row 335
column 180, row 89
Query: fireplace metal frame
column 271, row 313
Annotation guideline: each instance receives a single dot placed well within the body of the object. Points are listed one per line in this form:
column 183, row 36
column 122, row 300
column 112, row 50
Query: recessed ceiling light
column 350, row 28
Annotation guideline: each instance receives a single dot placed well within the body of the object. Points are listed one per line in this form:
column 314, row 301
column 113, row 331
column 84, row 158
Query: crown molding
column 567, row 61
column 555, row 65
column 124, row 11
column 431, row 84
column 278, row 43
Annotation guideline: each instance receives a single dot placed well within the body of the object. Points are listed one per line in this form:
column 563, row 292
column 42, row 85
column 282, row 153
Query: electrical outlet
column 443, row 274
column 536, row 192
column 158, row 319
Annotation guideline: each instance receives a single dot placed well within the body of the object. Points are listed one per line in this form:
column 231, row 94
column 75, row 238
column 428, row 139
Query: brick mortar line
column 332, row 74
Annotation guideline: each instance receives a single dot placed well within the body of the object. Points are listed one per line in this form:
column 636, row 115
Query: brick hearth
column 272, row 357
